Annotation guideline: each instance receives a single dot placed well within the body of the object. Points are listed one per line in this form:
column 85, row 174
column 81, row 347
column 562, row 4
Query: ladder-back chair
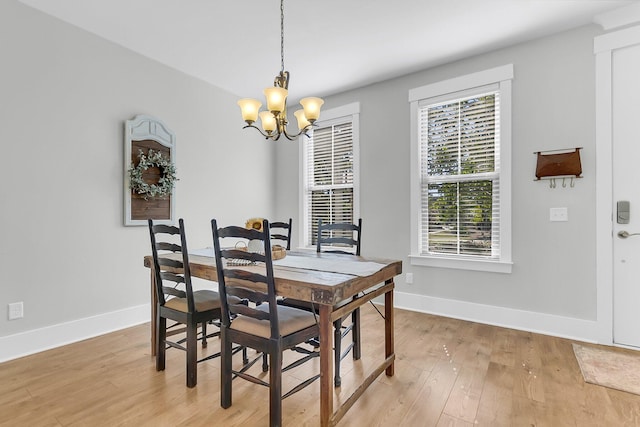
column 281, row 233
column 342, row 238
column 177, row 300
column 262, row 324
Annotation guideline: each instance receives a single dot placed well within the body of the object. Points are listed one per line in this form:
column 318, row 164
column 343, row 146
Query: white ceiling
column 330, row 45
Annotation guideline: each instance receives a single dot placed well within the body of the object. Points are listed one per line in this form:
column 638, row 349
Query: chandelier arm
column 295, row 136
column 266, row 135
column 289, row 137
column 281, row 131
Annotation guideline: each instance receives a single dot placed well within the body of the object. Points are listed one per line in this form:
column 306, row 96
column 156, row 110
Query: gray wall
column 553, row 107
column 64, row 97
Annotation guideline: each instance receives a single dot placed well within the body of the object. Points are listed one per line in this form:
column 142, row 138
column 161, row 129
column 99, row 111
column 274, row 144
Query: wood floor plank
column 504, row 347
column 449, row 421
column 495, row 407
column 432, row 397
column 449, row 373
column 397, row 394
column 626, row 406
column 464, row 398
column 523, row 411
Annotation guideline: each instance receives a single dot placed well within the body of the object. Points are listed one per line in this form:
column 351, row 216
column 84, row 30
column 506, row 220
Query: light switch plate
column 558, row 214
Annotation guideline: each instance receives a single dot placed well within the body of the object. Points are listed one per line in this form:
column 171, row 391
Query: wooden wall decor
column 144, row 133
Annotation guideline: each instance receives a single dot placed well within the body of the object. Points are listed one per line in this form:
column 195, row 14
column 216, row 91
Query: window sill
column 462, row 264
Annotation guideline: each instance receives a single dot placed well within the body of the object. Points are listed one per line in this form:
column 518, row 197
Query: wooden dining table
column 314, row 277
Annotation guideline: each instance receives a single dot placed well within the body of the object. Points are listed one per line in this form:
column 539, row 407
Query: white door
column 626, row 188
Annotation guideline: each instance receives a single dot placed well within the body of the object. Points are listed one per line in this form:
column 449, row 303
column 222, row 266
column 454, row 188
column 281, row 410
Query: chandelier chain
column 282, row 36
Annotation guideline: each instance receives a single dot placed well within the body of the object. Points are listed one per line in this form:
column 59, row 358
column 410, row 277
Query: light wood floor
column 448, row 373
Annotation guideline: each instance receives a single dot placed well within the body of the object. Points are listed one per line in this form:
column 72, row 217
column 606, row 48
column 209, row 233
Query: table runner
column 333, row 265
column 208, row 252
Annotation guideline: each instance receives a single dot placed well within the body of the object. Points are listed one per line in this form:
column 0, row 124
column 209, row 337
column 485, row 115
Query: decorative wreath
column 167, row 180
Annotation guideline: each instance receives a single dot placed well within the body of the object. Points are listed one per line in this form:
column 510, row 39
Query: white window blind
column 460, row 176
column 329, row 176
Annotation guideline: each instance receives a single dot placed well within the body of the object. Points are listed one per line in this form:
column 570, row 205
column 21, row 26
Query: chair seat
column 204, row 300
column 290, row 320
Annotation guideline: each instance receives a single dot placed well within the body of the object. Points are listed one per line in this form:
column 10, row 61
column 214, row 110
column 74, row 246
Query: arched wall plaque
column 145, row 133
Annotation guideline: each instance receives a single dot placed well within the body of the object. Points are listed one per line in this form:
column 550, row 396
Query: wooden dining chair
column 339, row 238
column 342, row 238
column 263, row 324
column 281, row 233
column 177, row 301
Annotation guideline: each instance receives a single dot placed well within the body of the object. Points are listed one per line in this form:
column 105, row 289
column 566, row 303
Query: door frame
column 603, row 48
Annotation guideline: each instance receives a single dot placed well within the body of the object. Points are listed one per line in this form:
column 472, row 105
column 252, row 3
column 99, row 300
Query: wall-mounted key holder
column 559, row 164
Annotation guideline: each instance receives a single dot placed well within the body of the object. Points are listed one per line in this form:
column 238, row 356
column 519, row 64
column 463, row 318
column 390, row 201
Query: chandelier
column 274, row 119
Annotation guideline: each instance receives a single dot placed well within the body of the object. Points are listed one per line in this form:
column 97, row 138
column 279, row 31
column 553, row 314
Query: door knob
column 624, row 234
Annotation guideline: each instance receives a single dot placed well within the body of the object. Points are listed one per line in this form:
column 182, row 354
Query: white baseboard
column 541, row 323
column 37, row 340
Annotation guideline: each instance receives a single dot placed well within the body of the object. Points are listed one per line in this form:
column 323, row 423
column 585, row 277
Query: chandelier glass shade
column 274, row 118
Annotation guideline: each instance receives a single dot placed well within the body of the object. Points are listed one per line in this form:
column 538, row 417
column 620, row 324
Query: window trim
column 349, row 112
column 502, row 76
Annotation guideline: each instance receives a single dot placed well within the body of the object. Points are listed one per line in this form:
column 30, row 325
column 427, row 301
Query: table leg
column 326, row 366
column 154, row 309
column 388, row 333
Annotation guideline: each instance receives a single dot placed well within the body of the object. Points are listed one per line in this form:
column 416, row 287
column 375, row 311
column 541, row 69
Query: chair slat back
column 166, row 262
column 339, row 237
column 253, row 281
column 281, row 233
column 166, row 246
column 172, row 275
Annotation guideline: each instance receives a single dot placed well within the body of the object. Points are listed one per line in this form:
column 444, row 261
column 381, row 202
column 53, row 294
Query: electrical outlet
column 558, row 214
column 408, row 278
column 16, row 310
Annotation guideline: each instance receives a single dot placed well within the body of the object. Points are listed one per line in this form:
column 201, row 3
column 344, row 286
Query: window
column 461, row 177
column 330, row 171
column 459, row 168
